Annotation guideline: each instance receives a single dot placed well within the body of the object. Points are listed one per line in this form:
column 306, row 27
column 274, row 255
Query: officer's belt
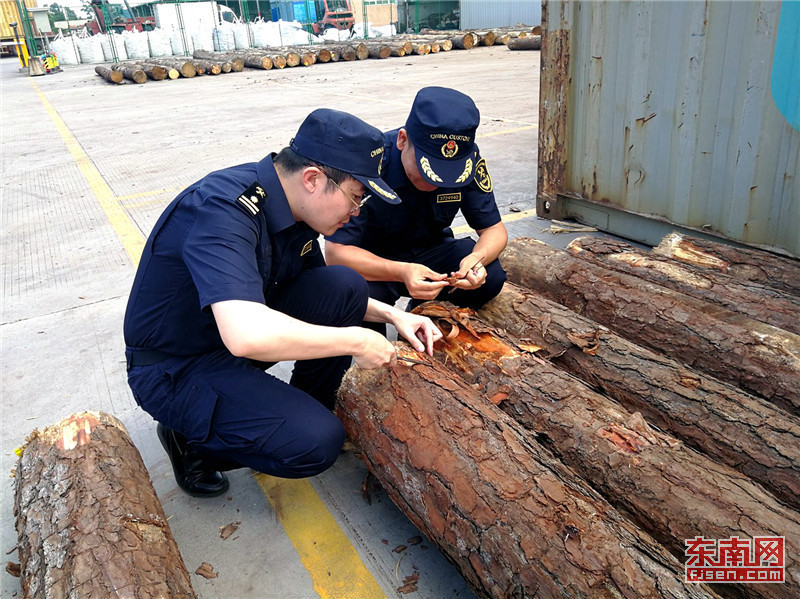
column 144, row 357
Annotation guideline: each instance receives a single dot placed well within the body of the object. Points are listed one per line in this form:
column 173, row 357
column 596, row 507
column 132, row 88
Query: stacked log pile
column 212, row 63
column 588, row 362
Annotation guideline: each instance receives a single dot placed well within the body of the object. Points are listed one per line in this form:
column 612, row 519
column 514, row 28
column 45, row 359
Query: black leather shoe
column 190, row 473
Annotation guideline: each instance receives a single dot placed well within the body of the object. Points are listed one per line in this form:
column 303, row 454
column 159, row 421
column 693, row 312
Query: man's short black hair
column 290, row 162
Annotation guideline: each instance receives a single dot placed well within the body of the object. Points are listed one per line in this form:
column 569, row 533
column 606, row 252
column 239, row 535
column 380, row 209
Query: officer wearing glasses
column 231, row 281
column 408, row 249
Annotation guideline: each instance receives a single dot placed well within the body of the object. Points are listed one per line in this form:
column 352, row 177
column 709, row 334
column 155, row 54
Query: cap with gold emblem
column 442, row 126
column 345, row 142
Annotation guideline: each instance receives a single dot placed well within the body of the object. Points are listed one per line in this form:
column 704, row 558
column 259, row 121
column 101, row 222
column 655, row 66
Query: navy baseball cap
column 442, row 126
column 345, row 142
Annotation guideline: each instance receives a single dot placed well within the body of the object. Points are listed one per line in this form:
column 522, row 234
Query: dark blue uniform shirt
column 401, row 231
column 230, row 236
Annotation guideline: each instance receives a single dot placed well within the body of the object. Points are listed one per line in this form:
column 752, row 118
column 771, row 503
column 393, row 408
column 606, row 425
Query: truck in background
column 116, row 17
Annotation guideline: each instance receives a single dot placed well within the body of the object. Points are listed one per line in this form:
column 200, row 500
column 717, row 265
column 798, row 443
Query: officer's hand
column 471, row 273
column 375, row 350
column 418, row 330
column 422, row 282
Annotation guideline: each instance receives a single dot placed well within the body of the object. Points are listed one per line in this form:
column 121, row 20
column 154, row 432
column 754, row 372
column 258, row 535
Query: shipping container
column 660, row 116
column 9, row 14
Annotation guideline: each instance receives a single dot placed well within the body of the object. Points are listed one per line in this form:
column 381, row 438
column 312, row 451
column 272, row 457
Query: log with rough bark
column 735, row 428
column 153, row 71
column 306, row 57
column 171, row 72
column 185, row 67
column 756, row 357
column 741, row 263
column 235, row 61
column 459, row 40
column 760, row 303
column 109, row 75
column 132, row 73
column 532, row 42
column 362, row 53
column 88, row 519
column 671, row 491
column 346, row 51
column 513, row 519
column 379, row 50
column 444, row 44
column 206, row 67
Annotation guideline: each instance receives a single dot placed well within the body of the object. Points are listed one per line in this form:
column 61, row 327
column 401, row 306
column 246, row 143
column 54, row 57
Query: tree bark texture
column 533, row 42
column 108, row 74
column 170, row 72
column 670, row 491
column 153, row 71
column 88, row 519
column 185, row 67
column 755, row 356
column 514, row 520
column 346, row 52
column 206, row 67
column 459, row 40
column 728, row 425
column 743, row 264
column 135, row 74
column 760, row 303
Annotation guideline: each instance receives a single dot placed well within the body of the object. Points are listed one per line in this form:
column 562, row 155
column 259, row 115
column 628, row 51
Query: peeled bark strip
column 109, row 75
column 88, row 519
column 532, row 42
column 760, row 303
column 728, row 425
column 672, row 492
column 741, row 263
column 514, row 520
column 754, row 356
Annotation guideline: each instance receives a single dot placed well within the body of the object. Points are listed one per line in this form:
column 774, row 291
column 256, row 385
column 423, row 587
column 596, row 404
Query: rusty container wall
column 663, row 110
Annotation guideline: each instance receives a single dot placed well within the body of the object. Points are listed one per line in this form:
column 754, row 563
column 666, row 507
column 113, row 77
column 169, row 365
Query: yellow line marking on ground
column 508, row 218
column 337, row 571
column 128, row 233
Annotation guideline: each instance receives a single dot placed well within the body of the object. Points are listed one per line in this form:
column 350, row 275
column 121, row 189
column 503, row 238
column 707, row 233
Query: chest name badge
column 307, row 247
column 251, row 197
column 443, row 198
column 482, row 177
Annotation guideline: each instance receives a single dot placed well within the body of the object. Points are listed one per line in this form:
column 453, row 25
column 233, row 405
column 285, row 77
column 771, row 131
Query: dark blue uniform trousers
column 237, row 415
column 443, row 258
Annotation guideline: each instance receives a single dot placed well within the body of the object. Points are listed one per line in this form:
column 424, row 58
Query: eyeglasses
column 356, row 205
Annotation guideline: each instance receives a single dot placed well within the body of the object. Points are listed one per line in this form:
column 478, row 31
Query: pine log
column 156, row 72
column 185, row 67
column 728, row 425
column 460, row 40
column 513, row 519
column 206, row 67
column 335, row 54
column 88, row 519
column 760, row 303
column 235, row 63
column 305, row 57
column 379, row 51
column 754, row 356
column 109, row 75
column 132, row 73
column 346, row 52
column 420, row 48
column 744, row 264
column 672, row 492
column 444, row 44
column 292, row 58
column 533, row 42
column 362, row 53
column 261, row 61
column 171, row 72
column 320, row 52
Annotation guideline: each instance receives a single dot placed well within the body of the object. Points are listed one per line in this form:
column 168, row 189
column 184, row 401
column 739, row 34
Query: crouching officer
column 231, row 281
column 408, row 249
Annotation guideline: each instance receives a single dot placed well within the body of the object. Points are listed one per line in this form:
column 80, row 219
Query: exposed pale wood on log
column 185, row 67
column 760, row 303
column 206, row 67
column 742, row 263
column 733, row 427
column 379, row 51
column 757, row 357
column 88, row 519
column 513, row 519
column 533, row 42
column 156, row 72
column 171, row 72
column 460, row 40
column 108, row 74
column 671, row 491
column 346, row 51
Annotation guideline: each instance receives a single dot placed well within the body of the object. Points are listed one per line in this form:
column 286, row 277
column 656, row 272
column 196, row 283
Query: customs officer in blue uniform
column 231, row 281
column 408, row 249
